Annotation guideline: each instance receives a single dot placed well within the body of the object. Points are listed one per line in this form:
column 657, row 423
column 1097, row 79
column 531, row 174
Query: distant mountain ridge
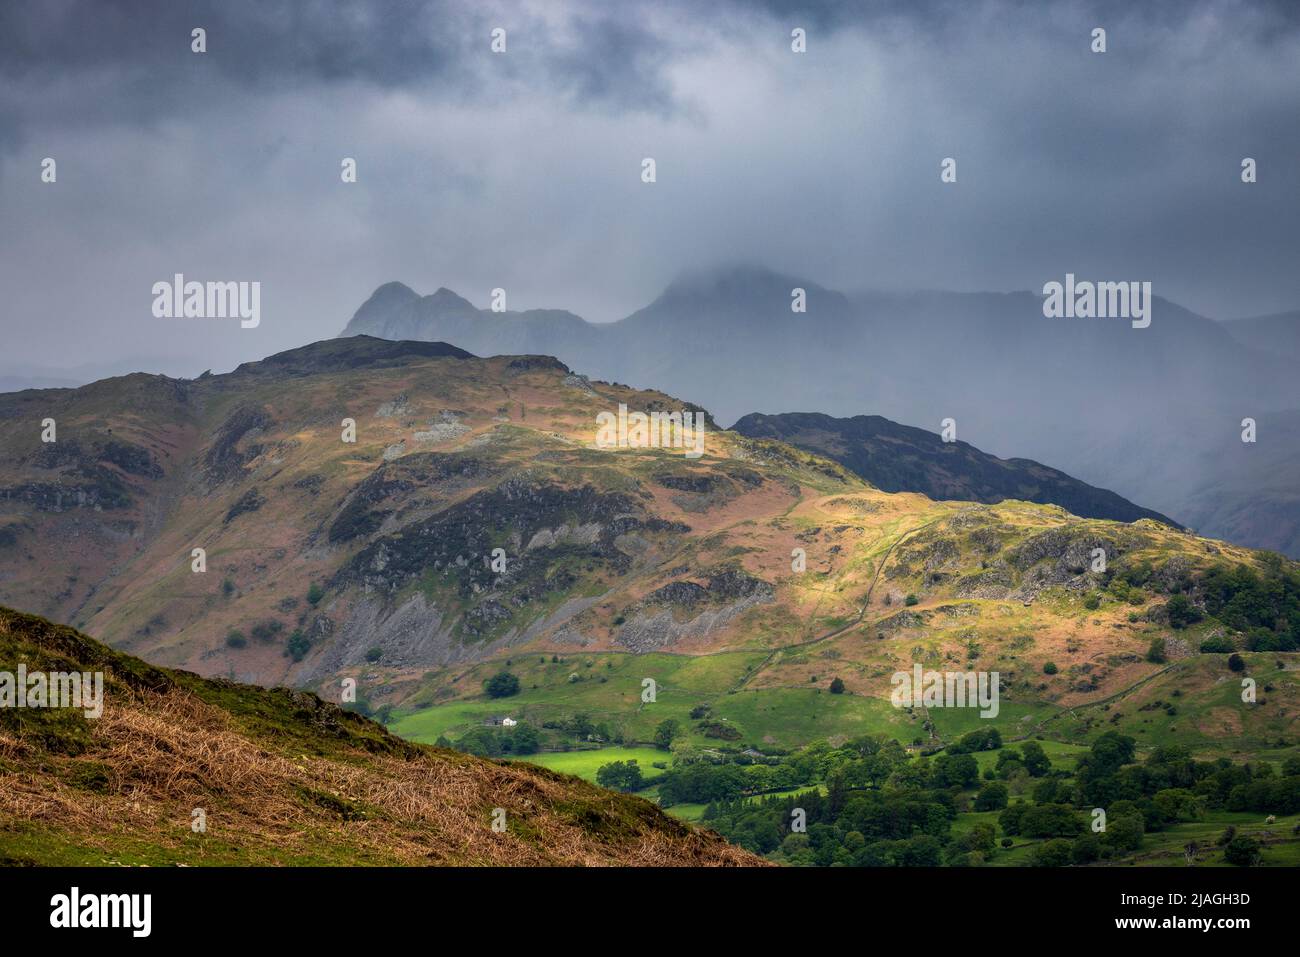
column 1154, row 414
column 395, row 311
column 900, row 458
column 1279, row 333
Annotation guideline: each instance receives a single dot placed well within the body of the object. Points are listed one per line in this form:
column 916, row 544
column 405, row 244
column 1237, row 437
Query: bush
column 266, row 630
column 1242, row 851
column 1054, row 853
column 1182, row 612
column 1156, row 651
column 1236, row 663
column 1092, row 602
column 720, row 730
column 954, row 771
column 1009, row 820
column 374, row 654
column 501, row 685
column 482, row 742
column 298, row 645
column 665, row 733
column 525, row 739
column 1124, row 831
column 1086, row 849
column 992, row 797
column 1050, row 820
column 1050, row 668
column 910, row 600
column 986, row 739
column 1266, row 639
column 1217, row 645
column 1267, row 795
column 236, row 639
column 837, row 686
column 1051, row 791
column 620, row 776
column 1035, row 759
column 315, row 593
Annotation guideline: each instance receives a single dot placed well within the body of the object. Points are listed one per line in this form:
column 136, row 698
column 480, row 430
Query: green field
column 1185, row 704
column 585, row 764
column 770, row 718
column 606, row 687
column 1061, row 754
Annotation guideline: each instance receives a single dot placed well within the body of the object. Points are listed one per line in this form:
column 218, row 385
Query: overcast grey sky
column 522, row 170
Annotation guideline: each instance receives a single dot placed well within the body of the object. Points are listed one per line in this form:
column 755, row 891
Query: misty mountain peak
column 736, row 280
column 392, row 293
column 388, row 299
column 447, row 301
column 396, row 311
column 740, row 296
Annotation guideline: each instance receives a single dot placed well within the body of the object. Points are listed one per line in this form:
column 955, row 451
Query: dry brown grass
column 168, row 753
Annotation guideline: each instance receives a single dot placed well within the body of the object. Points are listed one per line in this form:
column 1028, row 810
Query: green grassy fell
column 742, row 584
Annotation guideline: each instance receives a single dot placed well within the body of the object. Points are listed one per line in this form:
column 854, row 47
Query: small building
column 508, row 722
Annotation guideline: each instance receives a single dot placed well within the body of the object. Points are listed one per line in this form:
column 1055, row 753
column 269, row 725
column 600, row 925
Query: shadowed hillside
column 899, row 458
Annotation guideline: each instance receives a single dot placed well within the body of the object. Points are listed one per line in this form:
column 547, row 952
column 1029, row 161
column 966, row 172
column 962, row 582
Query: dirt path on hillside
column 858, row 619
column 1123, row 692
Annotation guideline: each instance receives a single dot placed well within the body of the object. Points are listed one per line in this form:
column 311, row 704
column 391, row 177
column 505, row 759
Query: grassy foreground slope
column 280, row 777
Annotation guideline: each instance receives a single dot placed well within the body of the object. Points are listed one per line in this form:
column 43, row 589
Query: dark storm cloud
column 384, row 42
column 136, row 64
column 626, row 70
column 522, row 170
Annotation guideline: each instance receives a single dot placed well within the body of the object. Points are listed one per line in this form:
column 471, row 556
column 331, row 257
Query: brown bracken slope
column 280, row 777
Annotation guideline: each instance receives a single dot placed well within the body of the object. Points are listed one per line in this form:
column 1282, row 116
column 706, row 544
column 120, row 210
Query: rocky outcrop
column 541, row 528
column 652, row 623
column 234, row 445
column 376, row 496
